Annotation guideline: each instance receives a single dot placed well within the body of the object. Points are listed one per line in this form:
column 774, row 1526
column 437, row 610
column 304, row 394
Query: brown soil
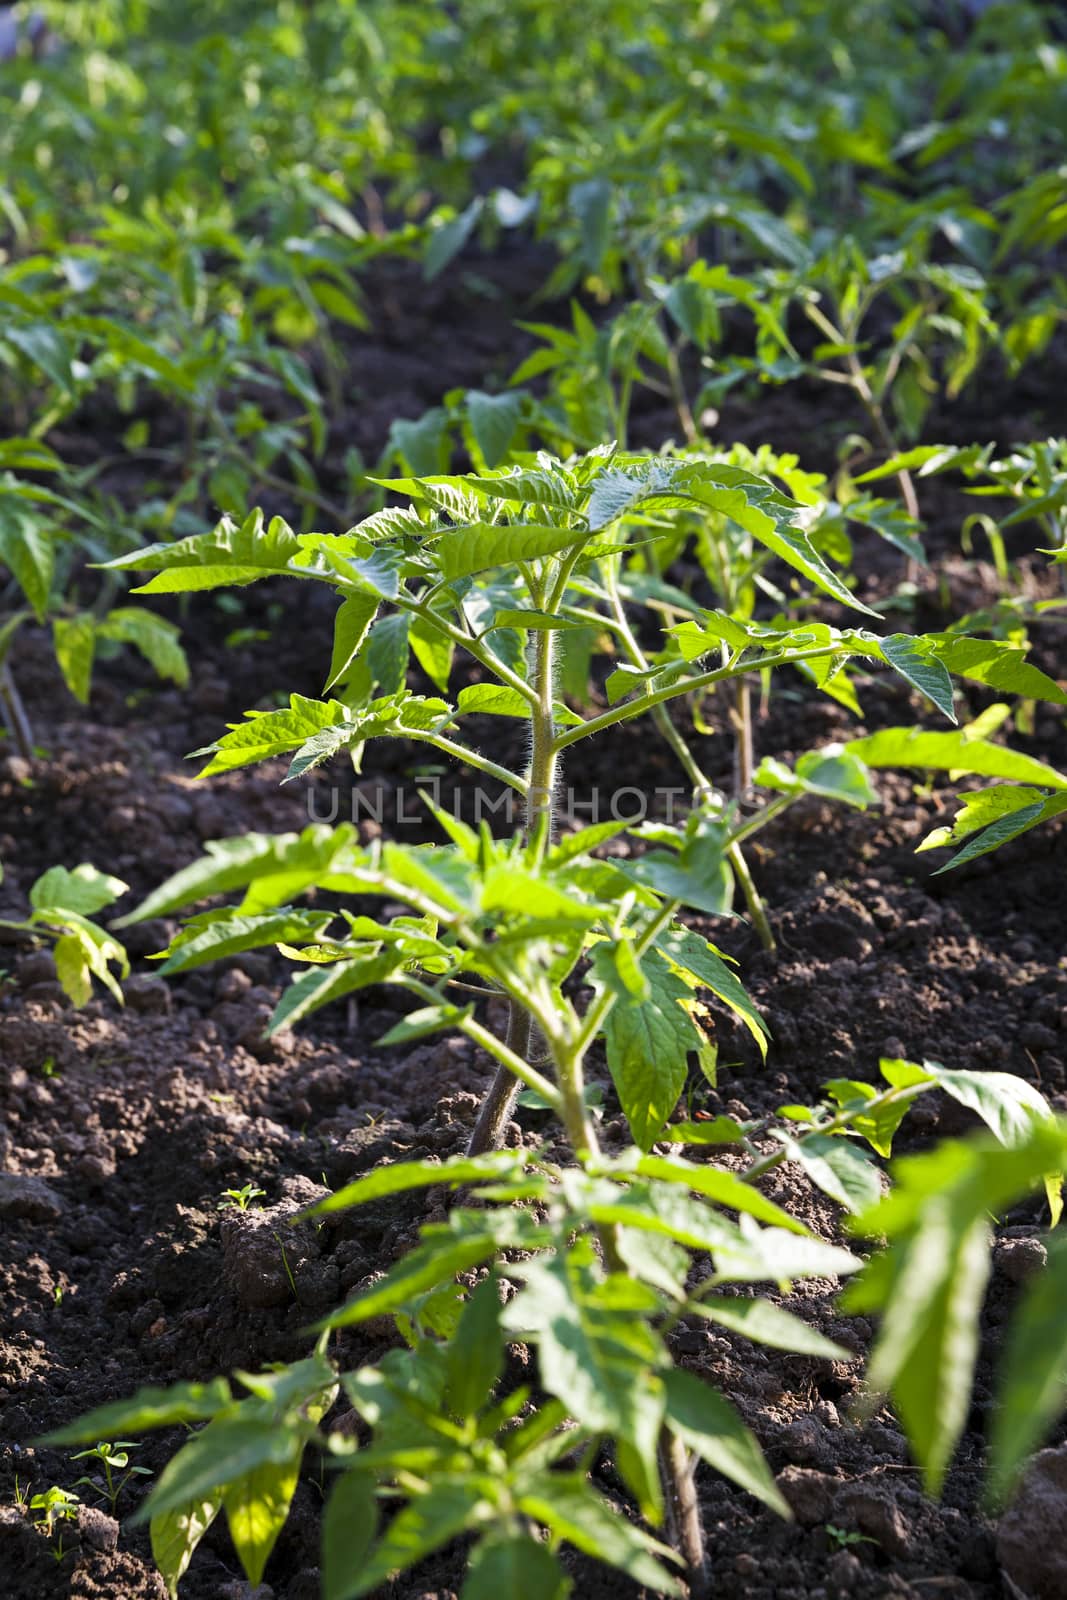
column 122, row 1127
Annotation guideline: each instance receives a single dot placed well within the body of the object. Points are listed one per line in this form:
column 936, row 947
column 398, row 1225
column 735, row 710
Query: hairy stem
column 544, row 758
column 499, row 1103
column 471, row 758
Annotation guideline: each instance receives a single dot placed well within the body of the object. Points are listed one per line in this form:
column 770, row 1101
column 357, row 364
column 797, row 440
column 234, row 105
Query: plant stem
column 499, row 1103
column 697, row 777
column 743, row 758
column 544, row 758
column 468, row 642
column 497, row 1107
column 14, row 713
column 471, row 758
column 633, row 708
column 857, row 380
column 684, row 1529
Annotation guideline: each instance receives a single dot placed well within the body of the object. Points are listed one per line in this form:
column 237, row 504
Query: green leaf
column 336, row 303
column 708, row 1424
column 647, row 1044
column 84, row 890
column 838, row 1168
column 320, row 986
column 231, row 1445
column 695, row 955
column 952, row 752
column 550, row 484
column 425, row 1021
column 442, row 1254
column 705, row 884
column 928, row 1340
column 567, row 1505
column 775, row 1255
column 474, row 1358
column 370, row 571
column 95, row 949
column 176, row 1534
column 661, row 1209
column 44, row 345
column 284, row 863
column 402, row 1176
column 929, row 1282
column 718, row 1130
column 890, row 521
column 492, row 700
column 1000, row 665
column 583, row 842
column 448, row 240
column 154, row 637
column 513, row 1568
column 597, row 1353
column 433, row 650
column 830, row 772
column 980, row 809
column 271, row 733
column 926, row 673
column 528, row 894
column 149, row 1408
column 27, row 547
column 879, row 1126
column 1032, row 1386
column 1009, row 1106
column 725, row 1188
column 229, row 555
column 761, row 510
column 349, row 1524
column 768, row 1324
column 222, row 934
column 74, row 639
column 351, row 626
column 1012, row 821
column 655, row 1259
column 257, row 1505
column 591, row 202
column 451, row 1506
column 481, row 545
column 493, row 419
column 73, row 969
column 387, row 651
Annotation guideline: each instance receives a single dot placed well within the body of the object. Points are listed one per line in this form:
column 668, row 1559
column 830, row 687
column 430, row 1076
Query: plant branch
column 471, row 758
column 632, row 708
column 471, row 645
column 697, row 777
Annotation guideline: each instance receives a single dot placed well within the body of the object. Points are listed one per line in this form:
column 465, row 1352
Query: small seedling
column 52, row 1506
column 117, row 1471
column 240, row 1199
column 63, row 906
column 845, row 1538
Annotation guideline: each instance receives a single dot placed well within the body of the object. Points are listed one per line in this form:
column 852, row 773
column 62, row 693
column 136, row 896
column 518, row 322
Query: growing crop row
column 193, row 218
